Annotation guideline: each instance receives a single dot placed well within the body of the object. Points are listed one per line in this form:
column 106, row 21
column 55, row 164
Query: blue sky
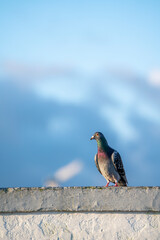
column 68, row 69
column 87, row 35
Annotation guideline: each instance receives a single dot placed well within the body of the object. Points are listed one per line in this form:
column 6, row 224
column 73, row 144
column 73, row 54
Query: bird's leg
column 107, row 184
column 116, row 185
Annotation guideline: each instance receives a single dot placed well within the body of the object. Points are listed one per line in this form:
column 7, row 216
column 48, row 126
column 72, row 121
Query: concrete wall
column 80, row 213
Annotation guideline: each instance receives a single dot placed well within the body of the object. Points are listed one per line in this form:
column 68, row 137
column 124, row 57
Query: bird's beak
column 92, row 137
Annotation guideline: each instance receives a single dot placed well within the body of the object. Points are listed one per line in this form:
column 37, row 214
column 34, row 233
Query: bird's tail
column 122, row 182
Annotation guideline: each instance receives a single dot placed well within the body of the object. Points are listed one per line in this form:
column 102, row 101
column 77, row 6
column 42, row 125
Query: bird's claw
column 107, row 184
column 116, row 185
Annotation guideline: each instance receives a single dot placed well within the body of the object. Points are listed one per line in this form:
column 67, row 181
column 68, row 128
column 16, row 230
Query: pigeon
column 109, row 162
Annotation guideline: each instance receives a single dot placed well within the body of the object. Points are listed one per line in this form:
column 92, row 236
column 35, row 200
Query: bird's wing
column 117, row 161
column 96, row 162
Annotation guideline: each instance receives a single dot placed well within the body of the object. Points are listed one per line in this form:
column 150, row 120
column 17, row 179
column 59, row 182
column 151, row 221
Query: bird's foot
column 116, row 185
column 107, row 184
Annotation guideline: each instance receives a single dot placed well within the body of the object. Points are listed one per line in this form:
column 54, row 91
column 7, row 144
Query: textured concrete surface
column 80, row 199
column 80, row 226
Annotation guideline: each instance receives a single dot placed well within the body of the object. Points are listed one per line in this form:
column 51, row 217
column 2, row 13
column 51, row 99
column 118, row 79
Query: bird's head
column 97, row 136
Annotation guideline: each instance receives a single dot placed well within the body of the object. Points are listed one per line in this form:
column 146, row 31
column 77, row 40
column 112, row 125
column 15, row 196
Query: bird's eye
column 97, row 134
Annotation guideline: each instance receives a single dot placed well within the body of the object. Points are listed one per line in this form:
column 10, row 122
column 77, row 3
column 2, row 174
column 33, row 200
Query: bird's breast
column 102, row 155
column 103, row 160
column 107, row 168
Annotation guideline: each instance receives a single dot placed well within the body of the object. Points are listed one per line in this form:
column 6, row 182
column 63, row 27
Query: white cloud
column 81, row 90
column 64, row 173
column 127, row 99
column 31, row 72
column 119, row 122
column 154, row 77
column 68, row 171
column 58, row 83
column 118, row 110
column 63, row 90
column 51, row 183
column 149, row 111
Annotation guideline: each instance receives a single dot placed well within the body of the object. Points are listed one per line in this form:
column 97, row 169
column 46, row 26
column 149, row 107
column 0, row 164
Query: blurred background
column 68, row 69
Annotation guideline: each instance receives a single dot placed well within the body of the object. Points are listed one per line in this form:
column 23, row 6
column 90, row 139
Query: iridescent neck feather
column 102, row 144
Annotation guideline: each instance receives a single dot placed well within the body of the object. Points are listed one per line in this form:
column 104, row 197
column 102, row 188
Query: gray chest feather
column 106, row 168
